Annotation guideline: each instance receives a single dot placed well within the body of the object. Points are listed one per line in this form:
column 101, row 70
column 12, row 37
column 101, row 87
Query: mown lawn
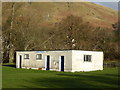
column 24, row 78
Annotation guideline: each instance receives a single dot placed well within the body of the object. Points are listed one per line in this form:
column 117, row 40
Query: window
column 26, row 56
column 39, row 56
column 87, row 58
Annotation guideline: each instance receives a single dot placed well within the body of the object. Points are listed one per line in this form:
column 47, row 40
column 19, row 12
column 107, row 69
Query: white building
column 60, row 60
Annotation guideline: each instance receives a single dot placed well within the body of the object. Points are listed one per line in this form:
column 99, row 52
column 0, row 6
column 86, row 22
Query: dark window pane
column 26, row 56
column 87, row 58
column 39, row 56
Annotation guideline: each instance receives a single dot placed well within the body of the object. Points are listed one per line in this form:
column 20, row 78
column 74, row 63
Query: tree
column 116, row 37
column 7, row 28
column 71, row 33
column 17, row 33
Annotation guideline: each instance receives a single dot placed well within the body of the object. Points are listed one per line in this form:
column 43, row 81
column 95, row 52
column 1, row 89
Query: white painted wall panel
column 78, row 63
column 54, row 59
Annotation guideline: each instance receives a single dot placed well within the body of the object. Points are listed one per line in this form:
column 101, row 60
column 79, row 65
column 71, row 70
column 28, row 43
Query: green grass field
column 24, row 78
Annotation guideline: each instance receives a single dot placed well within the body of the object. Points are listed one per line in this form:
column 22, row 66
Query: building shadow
column 74, row 81
column 14, row 66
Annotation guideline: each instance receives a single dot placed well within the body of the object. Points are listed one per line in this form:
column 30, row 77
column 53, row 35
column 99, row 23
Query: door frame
column 60, row 67
column 46, row 62
column 20, row 61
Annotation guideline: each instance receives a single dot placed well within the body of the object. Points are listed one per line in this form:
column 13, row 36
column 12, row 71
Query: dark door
column 62, row 63
column 48, row 63
column 20, row 61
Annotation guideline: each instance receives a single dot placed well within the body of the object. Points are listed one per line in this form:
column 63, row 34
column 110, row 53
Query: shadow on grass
column 10, row 66
column 110, row 79
column 73, row 81
column 55, row 83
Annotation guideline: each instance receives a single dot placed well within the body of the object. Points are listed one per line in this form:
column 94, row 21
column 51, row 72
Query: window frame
column 25, row 56
column 39, row 58
column 87, row 58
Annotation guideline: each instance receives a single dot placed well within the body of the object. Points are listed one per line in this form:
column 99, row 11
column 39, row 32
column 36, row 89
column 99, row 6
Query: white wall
column 73, row 60
column 32, row 62
column 78, row 63
column 54, row 59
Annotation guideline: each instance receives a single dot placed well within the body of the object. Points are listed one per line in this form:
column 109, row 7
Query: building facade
column 60, row 60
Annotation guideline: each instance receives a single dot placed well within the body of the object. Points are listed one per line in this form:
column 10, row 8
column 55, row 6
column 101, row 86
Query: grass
column 23, row 78
column 8, row 64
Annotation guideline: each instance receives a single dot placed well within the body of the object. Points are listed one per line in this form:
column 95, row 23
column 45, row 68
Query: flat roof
column 58, row 50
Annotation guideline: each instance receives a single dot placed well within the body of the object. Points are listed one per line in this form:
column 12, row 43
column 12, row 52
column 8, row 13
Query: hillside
column 53, row 26
column 47, row 14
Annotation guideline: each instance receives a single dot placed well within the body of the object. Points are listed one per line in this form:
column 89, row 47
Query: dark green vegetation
column 23, row 78
column 111, row 63
column 56, row 26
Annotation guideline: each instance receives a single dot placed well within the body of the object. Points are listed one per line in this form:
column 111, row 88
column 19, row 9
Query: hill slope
column 51, row 26
column 50, row 13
